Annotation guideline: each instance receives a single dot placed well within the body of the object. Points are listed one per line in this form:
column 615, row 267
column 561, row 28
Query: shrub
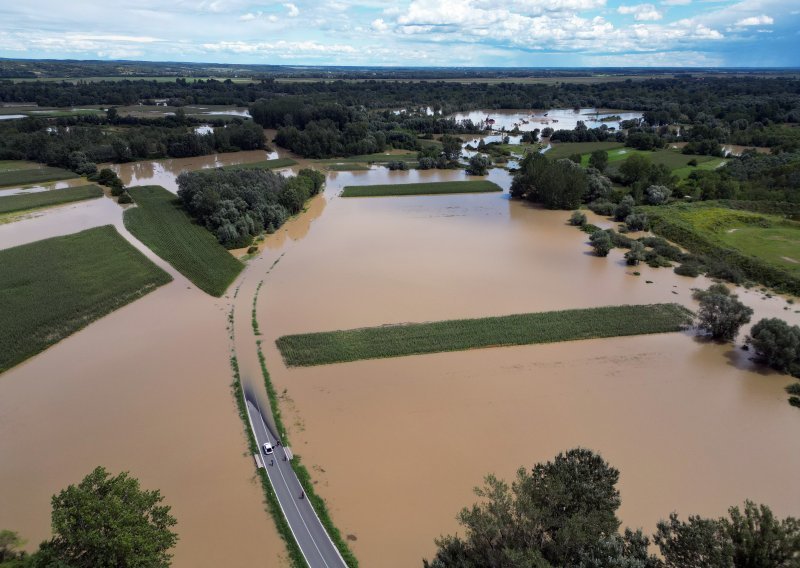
column 601, row 242
column 624, row 208
column 637, row 222
column 578, row 219
column 635, row 255
column 689, row 269
column 721, row 313
column 478, row 165
column 657, row 194
column 125, row 198
column 776, row 343
column 602, row 207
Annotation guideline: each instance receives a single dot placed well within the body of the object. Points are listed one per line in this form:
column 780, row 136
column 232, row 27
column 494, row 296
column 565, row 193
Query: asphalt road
column 315, row 544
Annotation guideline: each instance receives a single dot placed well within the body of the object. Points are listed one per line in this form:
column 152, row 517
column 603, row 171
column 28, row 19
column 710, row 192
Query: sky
column 479, row 33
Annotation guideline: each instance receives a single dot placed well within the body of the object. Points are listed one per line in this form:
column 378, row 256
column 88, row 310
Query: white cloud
column 676, row 2
column 761, row 20
column 379, row 25
column 292, row 9
column 248, row 17
column 641, row 12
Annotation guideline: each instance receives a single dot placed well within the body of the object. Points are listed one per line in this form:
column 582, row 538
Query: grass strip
column 161, row 224
column 431, row 188
column 372, row 158
column 51, row 288
column 456, row 335
column 300, row 470
column 34, row 175
column 263, row 165
column 40, row 199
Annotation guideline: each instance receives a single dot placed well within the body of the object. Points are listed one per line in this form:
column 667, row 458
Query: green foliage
column 635, row 255
column 110, row 179
column 657, row 194
column 721, row 313
column 51, row 288
column 478, row 165
column 562, row 513
column 160, row 223
column 10, row 542
column 523, row 329
column 599, row 160
column 776, row 344
column 426, row 188
column 108, row 521
column 637, row 222
column 40, row 199
column 602, row 207
column 559, row 184
column 690, row 269
column 624, row 208
column 33, row 175
column 601, row 243
column 264, row 164
column 578, row 219
column 752, row 538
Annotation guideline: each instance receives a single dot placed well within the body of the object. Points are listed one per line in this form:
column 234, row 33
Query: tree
column 657, row 194
column 599, row 160
column 601, row 242
column 776, row 343
column 624, row 208
column 451, row 147
column 562, row 513
column 637, row 222
column 635, row 255
column 578, row 219
column 634, row 168
column 108, row 521
column 577, row 158
column 9, row 543
column 752, row 538
column 721, row 314
column 478, row 165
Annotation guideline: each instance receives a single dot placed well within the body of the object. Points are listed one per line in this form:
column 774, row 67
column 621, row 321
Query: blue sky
column 535, row 33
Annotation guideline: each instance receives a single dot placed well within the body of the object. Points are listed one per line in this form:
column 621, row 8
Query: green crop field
column 16, row 165
column 263, row 165
column 160, row 223
column 26, row 201
column 352, row 167
column 37, row 174
column 52, row 288
column 431, row 188
column 372, row 158
column 456, row 335
column 566, row 149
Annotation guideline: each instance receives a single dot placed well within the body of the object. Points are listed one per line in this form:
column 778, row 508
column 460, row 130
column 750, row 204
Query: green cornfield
column 456, row 335
column 263, row 165
column 431, row 188
column 160, row 223
column 50, row 289
column 26, row 201
column 34, row 175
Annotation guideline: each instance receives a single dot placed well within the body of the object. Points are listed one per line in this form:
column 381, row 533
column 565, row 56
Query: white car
column 267, row 448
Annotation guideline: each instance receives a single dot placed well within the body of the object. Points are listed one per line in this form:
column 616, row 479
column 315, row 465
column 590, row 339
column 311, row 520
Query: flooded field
column 557, row 119
column 684, row 420
column 396, row 444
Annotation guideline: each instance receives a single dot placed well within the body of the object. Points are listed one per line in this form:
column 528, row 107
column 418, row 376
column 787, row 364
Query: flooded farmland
column 396, row 444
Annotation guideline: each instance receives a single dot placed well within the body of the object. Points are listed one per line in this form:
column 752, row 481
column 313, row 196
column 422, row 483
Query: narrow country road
column 315, row 544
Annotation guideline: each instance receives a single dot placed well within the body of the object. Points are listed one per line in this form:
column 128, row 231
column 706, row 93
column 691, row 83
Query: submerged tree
column 721, row 313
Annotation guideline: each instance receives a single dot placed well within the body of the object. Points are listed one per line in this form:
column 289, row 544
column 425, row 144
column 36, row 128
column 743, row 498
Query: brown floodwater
column 693, row 426
column 398, row 444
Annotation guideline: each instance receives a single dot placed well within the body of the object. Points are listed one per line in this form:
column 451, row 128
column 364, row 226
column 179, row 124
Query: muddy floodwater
column 557, row 118
column 396, row 445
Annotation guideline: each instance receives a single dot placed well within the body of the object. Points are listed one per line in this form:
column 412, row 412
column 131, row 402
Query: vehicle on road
column 267, row 448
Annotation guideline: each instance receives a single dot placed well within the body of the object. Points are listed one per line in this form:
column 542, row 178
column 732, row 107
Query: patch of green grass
column 263, row 165
column 766, row 248
column 431, row 188
column 456, row 335
column 33, row 175
column 15, row 165
column 373, row 158
column 160, row 223
column 27, row 201
column 50, row 289
column 566, row 149
column 351, row 167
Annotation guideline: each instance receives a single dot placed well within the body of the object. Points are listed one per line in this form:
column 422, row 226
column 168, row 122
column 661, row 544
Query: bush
column 637, row 222
column 689, row 269
column 578, row 219
column 602, row 207
column 624, row 208
column 124, row 198
column 776, row 343
column 657, row 194
column 601, row 242
column 721, row 314
column 635, row 255
column 397, row 165
column 478, row 165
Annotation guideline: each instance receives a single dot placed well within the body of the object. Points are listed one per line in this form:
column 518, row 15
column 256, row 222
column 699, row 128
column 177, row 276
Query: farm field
column 457, row 335
column 160, row 223
column 429, row 188
column 352, row 167
column 24, row 202
column 24, row 173
column 263, row 165
column 566, row 149
column 51, row 288
column 372, row 158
